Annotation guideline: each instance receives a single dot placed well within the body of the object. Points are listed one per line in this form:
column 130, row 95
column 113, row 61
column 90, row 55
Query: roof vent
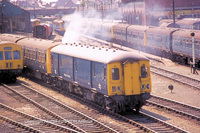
column 106, row 49
column 114, row 51
column 87, row 46
column 93, row 47
column 99, row 48
column 66, row 43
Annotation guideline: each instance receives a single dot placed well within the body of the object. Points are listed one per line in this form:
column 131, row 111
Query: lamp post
column 193, row 52
column 1, row 16
column 173, row 10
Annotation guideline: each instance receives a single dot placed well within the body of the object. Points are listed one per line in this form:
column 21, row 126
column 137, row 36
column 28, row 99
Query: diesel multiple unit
column 114, row 79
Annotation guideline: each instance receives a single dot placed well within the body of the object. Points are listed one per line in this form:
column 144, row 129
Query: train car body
column 35, row 22
column 36, row 54
column 117, row 80
column 159, row 40
column 189, row 23
column 101, row 29
column 136, row 36
column 59, row 26
column 120, row 33
column 43, row 30
column 182, row 45
column 11, row 61
column 185, row 23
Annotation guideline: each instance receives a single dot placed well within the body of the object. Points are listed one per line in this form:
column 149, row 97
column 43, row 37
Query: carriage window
column 1, row 55
column 8, row 55
column 16, row 55
column 104, row 73
column 143, row 71
column 115, row 74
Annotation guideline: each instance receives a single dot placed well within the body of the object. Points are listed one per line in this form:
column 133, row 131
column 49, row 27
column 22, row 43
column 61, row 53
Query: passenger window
column 8, row 55
column 143, row 71
column 104, row 73
column 16, row 55
column 1, row 55
column 115, row 74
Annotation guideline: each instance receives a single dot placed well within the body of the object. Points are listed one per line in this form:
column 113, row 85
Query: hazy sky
column 49, row 0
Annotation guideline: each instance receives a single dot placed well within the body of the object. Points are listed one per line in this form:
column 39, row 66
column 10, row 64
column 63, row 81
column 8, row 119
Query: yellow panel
column 147, row 80
column 48, row 59
column 145, row 41
column 115, row 83
column 16, row 64
column 131, row 80
column 112, row 34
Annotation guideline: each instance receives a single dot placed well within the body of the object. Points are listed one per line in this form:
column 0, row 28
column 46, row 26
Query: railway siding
column 180, row 108
column 74, row 119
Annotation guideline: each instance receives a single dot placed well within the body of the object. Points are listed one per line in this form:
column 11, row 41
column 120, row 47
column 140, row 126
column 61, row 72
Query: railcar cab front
column 129, row 83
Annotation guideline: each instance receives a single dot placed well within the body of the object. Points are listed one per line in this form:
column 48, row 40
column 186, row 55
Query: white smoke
column 80, row 23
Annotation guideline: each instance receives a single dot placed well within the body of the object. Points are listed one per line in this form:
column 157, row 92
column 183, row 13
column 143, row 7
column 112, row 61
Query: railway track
column 139, row 123
column 193, row 83
column 28, row 122
column 62, row 115
column 177, row 107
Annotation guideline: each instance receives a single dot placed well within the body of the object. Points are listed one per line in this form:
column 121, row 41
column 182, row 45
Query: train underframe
column 118, row 104
column 8, row 76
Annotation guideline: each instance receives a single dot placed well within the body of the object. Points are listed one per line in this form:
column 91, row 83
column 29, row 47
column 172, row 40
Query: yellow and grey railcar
column 11, row 61
column 59, row 26
column 115, row 79
column 35, row 22
column 36, row 53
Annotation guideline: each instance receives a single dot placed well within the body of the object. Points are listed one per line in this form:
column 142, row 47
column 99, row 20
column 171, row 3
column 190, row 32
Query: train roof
column 159, row 30
column 138, row 27
column 11, row 37
column 187, row 33
column 96, row 54
column 40, row 44
column 58, row 21
column 189, row 21
column 34, row 20
column 121, row 26
column 6, row 42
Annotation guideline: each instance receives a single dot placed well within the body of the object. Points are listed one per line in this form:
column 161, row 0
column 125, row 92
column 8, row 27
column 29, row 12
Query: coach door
column 131, row 77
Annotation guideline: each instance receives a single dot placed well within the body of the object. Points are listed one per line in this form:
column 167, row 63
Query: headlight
column 148, row 86
column 118, row 88
column 143, row 86
column 113, row 89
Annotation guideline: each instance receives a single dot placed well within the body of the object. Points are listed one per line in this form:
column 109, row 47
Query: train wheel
column 138, row 107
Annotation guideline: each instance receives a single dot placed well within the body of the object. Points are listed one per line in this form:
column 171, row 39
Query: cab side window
column 16, row 55
column 144, row 71
column 1, row 55
column 115, row 74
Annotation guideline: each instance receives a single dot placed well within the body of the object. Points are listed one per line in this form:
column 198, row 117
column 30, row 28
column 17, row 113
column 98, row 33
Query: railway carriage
column 120, row 33
column 115, row 79
column 159, row 41
column 182, row 46
column 37, row 55
column 59, row 26
column 136, row 36
column 11, row 61
column 43, row 30
column 189, row 23
column 35, row 22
